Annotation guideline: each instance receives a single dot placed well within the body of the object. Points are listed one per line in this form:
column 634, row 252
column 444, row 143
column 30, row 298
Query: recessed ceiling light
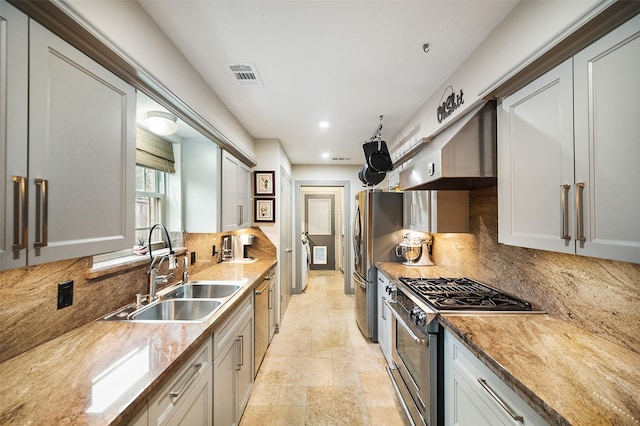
column 325, row 155
column 323, row 124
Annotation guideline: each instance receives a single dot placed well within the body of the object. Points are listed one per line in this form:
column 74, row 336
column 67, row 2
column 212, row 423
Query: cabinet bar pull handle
column 42, row 213
column 270, row 305
column 238, row 355
column 564, row 202
column 20, row 215
column 501, row 403
column 580, row 212
column 175, row 395
column 241, row 350
column 239, row 214
column 413, row 214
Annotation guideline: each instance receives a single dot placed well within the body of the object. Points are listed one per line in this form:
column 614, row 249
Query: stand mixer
column 414, row 249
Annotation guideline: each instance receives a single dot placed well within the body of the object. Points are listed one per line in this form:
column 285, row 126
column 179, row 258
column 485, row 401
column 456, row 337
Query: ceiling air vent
column 245, row 74
column 341, row 158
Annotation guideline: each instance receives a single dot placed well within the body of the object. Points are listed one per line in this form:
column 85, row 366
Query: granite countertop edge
column 18, row 398
column 566, row 344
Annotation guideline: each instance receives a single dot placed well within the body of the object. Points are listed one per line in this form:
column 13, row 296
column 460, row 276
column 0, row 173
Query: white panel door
column 81, row 153
column 607, row 144
column 14, row 91
column 535, row 158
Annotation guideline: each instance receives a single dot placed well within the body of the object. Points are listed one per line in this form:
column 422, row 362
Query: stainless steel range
column 417, row 337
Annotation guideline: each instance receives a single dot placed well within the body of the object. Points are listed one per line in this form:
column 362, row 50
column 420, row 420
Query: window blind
column 154, row 152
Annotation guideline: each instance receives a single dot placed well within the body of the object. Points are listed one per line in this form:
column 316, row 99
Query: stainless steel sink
column 177, row 310
column 202, row 290
column 191, row 302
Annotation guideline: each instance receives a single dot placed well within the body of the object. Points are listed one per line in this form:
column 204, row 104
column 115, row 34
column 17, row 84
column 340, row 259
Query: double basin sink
column 194, row 301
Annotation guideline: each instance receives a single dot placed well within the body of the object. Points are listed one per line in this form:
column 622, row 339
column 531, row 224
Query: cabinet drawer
column 483, row 388
column 229, row 328
column 163, row 405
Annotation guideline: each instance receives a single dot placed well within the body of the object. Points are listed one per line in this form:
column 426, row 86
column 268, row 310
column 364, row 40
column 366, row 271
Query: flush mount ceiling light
column 162, row 123
column 323, row 124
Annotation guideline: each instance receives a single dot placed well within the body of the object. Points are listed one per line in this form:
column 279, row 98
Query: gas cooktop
column 462, row 294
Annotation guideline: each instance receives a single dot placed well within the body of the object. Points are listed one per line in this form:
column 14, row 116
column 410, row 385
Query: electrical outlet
column 65, row 294
column 193, row 257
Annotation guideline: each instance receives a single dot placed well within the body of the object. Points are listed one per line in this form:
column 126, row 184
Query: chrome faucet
column 154, row 278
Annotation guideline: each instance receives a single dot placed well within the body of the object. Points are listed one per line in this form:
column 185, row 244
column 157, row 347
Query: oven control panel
column 409, row 308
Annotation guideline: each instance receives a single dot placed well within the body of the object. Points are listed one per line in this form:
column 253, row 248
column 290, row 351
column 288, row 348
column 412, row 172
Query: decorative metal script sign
column 447, row 106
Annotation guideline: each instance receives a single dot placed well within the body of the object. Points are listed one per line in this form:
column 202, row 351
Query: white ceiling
column 346, row 62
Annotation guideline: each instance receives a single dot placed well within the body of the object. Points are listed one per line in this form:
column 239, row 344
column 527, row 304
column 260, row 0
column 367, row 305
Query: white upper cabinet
column 200, row 183
column 535, row 158
column 568, row 152
column 436, row 211
column 77, row 197
column 14, row 89
column 236, row 197
column 607, row 144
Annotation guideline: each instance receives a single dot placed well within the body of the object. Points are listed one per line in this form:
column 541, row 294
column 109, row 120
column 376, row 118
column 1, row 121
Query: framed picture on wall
column 319, row 255
column 263, row 183
column 264, row 209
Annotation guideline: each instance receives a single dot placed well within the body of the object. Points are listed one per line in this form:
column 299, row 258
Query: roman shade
column 154, row 152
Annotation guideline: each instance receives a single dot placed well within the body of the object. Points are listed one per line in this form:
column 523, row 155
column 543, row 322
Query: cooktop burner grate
column 462, row 293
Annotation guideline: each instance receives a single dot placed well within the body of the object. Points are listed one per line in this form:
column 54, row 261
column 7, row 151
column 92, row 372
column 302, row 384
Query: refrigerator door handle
column 360, row 281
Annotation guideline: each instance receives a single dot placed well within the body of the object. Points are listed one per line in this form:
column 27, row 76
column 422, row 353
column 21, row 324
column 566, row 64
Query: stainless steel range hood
column 462, row 157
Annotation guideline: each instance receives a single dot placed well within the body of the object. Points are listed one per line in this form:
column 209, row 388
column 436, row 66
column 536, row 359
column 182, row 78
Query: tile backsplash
column 601, row 296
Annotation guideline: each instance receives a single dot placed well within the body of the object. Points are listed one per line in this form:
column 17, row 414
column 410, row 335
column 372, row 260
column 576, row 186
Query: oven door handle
column 417, row 340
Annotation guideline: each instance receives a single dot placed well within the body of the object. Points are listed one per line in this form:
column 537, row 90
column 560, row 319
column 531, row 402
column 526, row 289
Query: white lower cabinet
column 475, row 396
column 233, row 365
column 186, row 399
column 384, row 317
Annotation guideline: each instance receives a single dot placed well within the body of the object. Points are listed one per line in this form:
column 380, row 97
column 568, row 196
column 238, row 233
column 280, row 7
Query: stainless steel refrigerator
column 377, row 230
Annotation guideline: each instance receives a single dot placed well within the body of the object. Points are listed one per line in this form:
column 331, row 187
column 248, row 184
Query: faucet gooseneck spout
column 172, row 256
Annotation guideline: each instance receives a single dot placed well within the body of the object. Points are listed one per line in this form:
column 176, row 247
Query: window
column 150, row 200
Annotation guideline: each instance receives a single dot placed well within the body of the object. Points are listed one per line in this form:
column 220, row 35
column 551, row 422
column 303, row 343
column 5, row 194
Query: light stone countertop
column 55, row 383
column 568, row 375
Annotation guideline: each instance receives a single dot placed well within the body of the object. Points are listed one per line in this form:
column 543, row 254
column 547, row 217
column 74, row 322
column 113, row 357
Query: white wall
column 530, row 26
column 126, row 25
column 270, row 155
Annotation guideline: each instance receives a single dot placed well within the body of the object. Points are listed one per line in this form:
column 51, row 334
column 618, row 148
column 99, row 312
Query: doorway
column 322, row 214
column 319, row 225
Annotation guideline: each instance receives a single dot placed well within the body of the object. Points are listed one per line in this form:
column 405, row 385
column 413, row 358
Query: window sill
column 125, row 263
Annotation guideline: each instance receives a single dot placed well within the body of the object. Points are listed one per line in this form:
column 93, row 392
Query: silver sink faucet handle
column 185, row 269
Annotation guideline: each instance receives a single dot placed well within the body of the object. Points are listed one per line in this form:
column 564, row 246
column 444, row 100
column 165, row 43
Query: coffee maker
column 242, row 243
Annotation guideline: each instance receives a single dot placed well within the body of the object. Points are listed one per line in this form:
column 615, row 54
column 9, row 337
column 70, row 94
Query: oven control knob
column 391, row 289
column 415, row 312
column 418, row 316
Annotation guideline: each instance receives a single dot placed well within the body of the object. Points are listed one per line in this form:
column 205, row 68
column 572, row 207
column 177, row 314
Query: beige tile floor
column 319, row 370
